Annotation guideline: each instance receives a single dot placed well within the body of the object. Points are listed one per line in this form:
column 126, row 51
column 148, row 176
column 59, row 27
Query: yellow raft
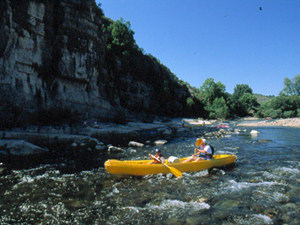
column 142, row 168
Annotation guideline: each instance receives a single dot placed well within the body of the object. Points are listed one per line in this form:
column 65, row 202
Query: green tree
column 281, row 106
column 240, row 90
column 190, row 102
column 248, row 103
column 291, row 87
column 243, row 102
column 210, row 90
column 219, row 109
column 214, row 98
column 119, row 36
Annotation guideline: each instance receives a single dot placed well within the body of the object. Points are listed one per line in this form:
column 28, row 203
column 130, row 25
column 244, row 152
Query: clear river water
column 262, row 187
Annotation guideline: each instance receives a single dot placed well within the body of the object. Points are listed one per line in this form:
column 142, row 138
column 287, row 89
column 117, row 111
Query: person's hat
column 157, row 150
column 204, row 140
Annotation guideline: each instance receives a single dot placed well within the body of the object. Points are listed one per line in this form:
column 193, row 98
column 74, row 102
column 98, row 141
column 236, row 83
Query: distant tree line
column 222, row 105
column 287, row 104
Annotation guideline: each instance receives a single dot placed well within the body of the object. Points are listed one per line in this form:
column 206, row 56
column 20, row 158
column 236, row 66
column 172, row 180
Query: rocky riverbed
column 63, row 144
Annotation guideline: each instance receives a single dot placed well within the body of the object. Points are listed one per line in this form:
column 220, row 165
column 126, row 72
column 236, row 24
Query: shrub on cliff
column 119, row 37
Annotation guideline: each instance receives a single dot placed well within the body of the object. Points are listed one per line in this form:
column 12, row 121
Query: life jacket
column 157, row 161
column 212, row 152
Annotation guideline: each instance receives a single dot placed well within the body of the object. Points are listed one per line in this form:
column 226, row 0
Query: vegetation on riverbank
column 263, row 98
column 286, row 105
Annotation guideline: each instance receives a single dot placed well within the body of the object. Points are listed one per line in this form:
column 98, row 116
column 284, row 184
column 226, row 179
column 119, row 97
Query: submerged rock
column 216, row 171
column 264, row 140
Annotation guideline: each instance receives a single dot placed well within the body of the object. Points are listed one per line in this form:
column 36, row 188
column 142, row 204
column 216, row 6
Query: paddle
column 199, row 142
column 173, row 170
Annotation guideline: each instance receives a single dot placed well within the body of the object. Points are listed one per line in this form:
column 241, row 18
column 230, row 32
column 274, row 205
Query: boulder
column 131, row 150
column 160, row 142
column 100, row 147
column 254, row 132
column 167, row 132
column 135, row 144
column 21, row 147
column 115, row 149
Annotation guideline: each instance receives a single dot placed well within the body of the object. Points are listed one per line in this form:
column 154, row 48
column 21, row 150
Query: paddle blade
column 199, row 142
column 174, row 171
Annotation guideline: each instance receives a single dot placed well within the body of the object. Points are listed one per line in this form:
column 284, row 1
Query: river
column 263, row 187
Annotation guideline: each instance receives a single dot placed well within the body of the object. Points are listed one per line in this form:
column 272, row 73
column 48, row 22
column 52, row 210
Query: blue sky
column 231, row 41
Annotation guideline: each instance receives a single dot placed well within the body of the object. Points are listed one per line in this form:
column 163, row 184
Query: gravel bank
column 291, row 122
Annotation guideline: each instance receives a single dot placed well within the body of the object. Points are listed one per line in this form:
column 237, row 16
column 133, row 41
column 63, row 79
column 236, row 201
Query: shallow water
column 263, row 187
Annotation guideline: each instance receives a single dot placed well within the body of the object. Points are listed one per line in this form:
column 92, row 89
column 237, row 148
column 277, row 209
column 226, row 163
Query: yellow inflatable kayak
column 142, row 168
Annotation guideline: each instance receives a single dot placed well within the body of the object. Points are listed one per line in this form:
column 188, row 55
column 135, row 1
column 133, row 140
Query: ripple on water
column 271, row 197
column 251, row 219
column 234, row 186
column 285, row 171
column 172, row 210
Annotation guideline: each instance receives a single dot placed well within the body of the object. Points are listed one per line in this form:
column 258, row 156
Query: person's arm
column 161, row 159
column 151, row 156
column 201, row 151
column 197, row 152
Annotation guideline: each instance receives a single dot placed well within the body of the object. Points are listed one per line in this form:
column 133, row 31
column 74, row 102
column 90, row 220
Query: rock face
column 54, row 53
column 51, row 52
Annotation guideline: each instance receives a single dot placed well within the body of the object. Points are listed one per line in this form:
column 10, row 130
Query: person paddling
column 205, row 153
column 158, row 158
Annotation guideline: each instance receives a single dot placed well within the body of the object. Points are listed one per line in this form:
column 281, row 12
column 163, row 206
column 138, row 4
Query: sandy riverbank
column 291, row 122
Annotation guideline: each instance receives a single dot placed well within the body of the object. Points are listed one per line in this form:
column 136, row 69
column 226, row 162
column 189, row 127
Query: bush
column 274, row 113
column 289, row 114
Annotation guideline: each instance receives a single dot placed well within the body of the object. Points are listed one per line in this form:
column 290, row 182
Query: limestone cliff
column 48, row 53
column 53, row 53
